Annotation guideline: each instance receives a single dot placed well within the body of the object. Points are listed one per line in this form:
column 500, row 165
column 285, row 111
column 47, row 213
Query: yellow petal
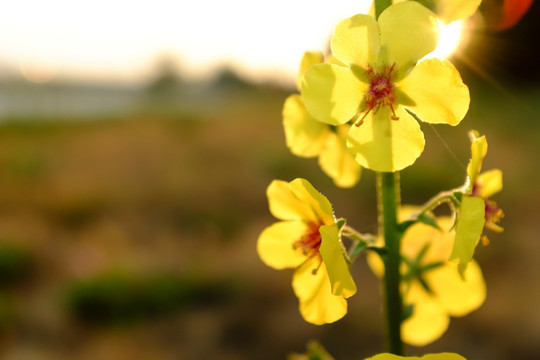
column 304, row 135
column 375, row 263
column 275, row 244
column 285, row 205
column 332, row 253
column 337, row 162
column 331, row 59
column 382, row 144
column 332, row 94
column 459, row 295
column 429, row 319
column 479, row 148
column 387, row 356
column 489, row 182
column 356, row 41
column 441, row 356
column 469, row 227
column 409, row 31
column 438, row 92
column 452, row 10
column 440, row 241
column 317, row 303
column 309, row 59
column 307, row 194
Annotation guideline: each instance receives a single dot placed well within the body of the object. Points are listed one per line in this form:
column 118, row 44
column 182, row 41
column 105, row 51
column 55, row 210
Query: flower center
column 381, row 91
column 310, row 243
column 493, row 214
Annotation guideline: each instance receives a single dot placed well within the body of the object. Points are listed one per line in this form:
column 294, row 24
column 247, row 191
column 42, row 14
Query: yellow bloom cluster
column 382, row 88
column 361, row 106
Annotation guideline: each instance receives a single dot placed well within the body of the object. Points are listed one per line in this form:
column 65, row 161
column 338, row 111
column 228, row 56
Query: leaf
column 428, row 220
column 341, row 223
column 357, row 249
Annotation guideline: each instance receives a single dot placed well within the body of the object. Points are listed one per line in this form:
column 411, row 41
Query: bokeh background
column 132, row 196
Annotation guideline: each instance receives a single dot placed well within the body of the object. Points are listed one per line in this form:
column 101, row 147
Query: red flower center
column 381, row 91
column 493, row 213
column 310, row 242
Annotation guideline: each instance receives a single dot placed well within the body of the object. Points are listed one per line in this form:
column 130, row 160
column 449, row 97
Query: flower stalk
column 376, row 80
column 387, row 186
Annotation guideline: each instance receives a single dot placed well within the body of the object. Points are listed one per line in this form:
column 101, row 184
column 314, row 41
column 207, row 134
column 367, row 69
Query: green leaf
column 458, row 195
column 404, row 225
column 357, row 249
column 423, row 218
column 428, row 220
column 341, row 223
column 315, row 351
column 408, row 310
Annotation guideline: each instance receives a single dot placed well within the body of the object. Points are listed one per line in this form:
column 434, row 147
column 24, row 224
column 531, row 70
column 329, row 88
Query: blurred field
column 133, row 236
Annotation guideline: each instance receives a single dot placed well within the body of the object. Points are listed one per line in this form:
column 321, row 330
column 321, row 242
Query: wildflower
column 307, row 137
column 450, row 10
column 441, row 356
column 382, row 90
column 453, row 10
column 476, row 211
column 432, row 287
column 307, row 238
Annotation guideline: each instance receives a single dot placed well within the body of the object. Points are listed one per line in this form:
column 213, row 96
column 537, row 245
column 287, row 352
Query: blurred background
column 137, row 140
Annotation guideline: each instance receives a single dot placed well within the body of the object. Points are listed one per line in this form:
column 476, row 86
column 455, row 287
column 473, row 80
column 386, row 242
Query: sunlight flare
column 450, row 37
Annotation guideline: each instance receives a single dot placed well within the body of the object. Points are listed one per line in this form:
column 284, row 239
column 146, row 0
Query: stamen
column 393, row 117
column 314, row 271
column 380, row 92
column 361, row 121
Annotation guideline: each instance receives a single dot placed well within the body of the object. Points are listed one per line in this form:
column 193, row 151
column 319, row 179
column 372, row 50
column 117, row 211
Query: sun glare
column 450, row 36
column 37, row 74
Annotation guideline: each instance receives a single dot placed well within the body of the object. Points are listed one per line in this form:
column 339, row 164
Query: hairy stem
column 388, row 189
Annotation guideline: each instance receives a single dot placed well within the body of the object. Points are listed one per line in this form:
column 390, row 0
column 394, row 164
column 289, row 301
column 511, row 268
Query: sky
column 107, row 40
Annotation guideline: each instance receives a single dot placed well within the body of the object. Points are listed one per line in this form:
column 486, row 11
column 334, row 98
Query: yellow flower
column 308, row 137
column 431, row 284
column 382, row 89
column 450, row 10
column 476, row 211
column 441, row 356
column 307, row 239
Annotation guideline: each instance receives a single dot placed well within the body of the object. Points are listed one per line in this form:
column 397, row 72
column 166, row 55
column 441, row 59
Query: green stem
column 351, row 233
column 380, row 5
column 442, row 197
column 388, row 189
